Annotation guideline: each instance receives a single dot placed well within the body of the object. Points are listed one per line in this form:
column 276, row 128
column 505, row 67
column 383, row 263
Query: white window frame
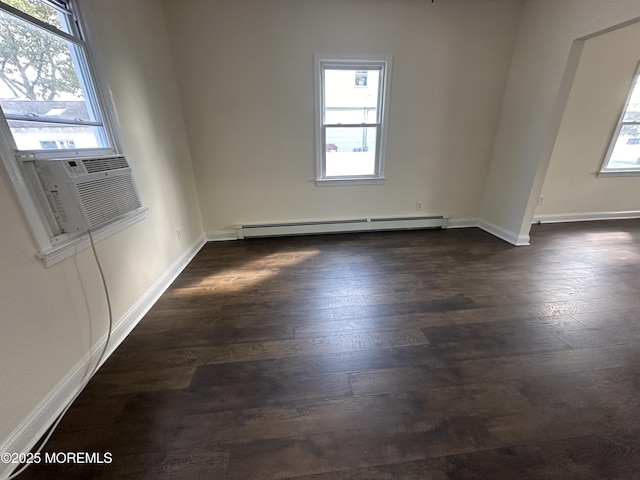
column 605, row 170
column 52, row 245
column 352, row 62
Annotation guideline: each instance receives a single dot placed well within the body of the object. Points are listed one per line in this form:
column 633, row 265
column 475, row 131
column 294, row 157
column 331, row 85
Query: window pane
column 41, row 136
column 351, row 96
column 39, row 87
column 350, row 151
column 626, row 153
column 632, row 113
column 38, row 9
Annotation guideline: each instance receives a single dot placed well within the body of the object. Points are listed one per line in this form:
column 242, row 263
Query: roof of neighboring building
column 59, row 110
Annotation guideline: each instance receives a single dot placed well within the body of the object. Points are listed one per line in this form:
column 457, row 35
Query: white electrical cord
column 88, row 377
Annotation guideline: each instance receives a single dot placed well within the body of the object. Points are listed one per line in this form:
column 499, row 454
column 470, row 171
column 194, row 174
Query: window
column 45, row 86
column 623, row 156
column 49, row 108
column 352, row 96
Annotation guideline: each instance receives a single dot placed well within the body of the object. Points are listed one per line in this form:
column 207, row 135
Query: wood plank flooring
column 431, row 355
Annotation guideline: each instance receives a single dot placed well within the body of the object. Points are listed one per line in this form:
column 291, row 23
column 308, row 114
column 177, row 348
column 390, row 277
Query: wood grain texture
column 431, row 355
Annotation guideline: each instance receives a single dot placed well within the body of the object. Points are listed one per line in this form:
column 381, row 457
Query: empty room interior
column 363, row 239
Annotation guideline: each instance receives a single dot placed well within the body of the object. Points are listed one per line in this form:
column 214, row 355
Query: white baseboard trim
column 339, row 226
column 226, row 235
column 506, row 235
column 462, row 223
column 585, row 217
column 221, row 235
column 25, row 436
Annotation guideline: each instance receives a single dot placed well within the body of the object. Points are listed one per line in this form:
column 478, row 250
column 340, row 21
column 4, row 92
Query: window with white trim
column 352, row 97
column 50, row 108
column 47, row 94
column 623, row 155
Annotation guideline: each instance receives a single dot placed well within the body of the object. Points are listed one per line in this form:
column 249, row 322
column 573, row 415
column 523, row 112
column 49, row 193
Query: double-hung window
column 49, row 102
column 352, row 96
column 47, row 95
column 623, row 156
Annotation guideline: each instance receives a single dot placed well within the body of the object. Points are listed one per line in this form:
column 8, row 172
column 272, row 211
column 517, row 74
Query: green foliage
column 37, row 9
column 34, row 63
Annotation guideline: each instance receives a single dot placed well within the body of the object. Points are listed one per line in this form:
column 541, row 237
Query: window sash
column 376, row 172
column 71, row 37
column 354, row 66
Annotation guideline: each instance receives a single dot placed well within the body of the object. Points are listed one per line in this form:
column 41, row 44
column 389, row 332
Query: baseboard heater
column 340, row 226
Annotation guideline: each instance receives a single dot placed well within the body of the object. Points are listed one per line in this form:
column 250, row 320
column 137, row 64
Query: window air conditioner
column 85, row 193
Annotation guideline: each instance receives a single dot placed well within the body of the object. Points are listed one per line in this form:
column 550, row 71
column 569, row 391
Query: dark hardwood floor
column 426, row 355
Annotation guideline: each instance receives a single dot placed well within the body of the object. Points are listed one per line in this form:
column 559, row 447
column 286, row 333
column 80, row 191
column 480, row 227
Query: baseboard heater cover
column 340, row 226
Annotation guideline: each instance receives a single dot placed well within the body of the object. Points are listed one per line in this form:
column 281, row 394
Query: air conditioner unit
column 85, row 193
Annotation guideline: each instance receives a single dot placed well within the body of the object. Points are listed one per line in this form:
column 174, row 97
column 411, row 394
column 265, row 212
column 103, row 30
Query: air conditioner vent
column 107, row 198
column 87, row 193
column 105, row 164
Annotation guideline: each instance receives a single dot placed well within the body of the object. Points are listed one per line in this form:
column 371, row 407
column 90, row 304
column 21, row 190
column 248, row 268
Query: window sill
column 324, row 182
column 619, row 173
column 70, row 247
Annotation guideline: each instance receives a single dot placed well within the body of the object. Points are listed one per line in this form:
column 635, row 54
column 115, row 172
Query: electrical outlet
column 540, row 200
column 179, row 234
column 418, row 205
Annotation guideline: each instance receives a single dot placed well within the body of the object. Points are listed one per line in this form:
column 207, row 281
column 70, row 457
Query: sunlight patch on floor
column 247, row 274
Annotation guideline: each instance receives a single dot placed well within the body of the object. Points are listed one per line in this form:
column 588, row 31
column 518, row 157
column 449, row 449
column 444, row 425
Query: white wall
column 245, row 70
column 47, row 325
column 535, row 99
column 600, row 88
